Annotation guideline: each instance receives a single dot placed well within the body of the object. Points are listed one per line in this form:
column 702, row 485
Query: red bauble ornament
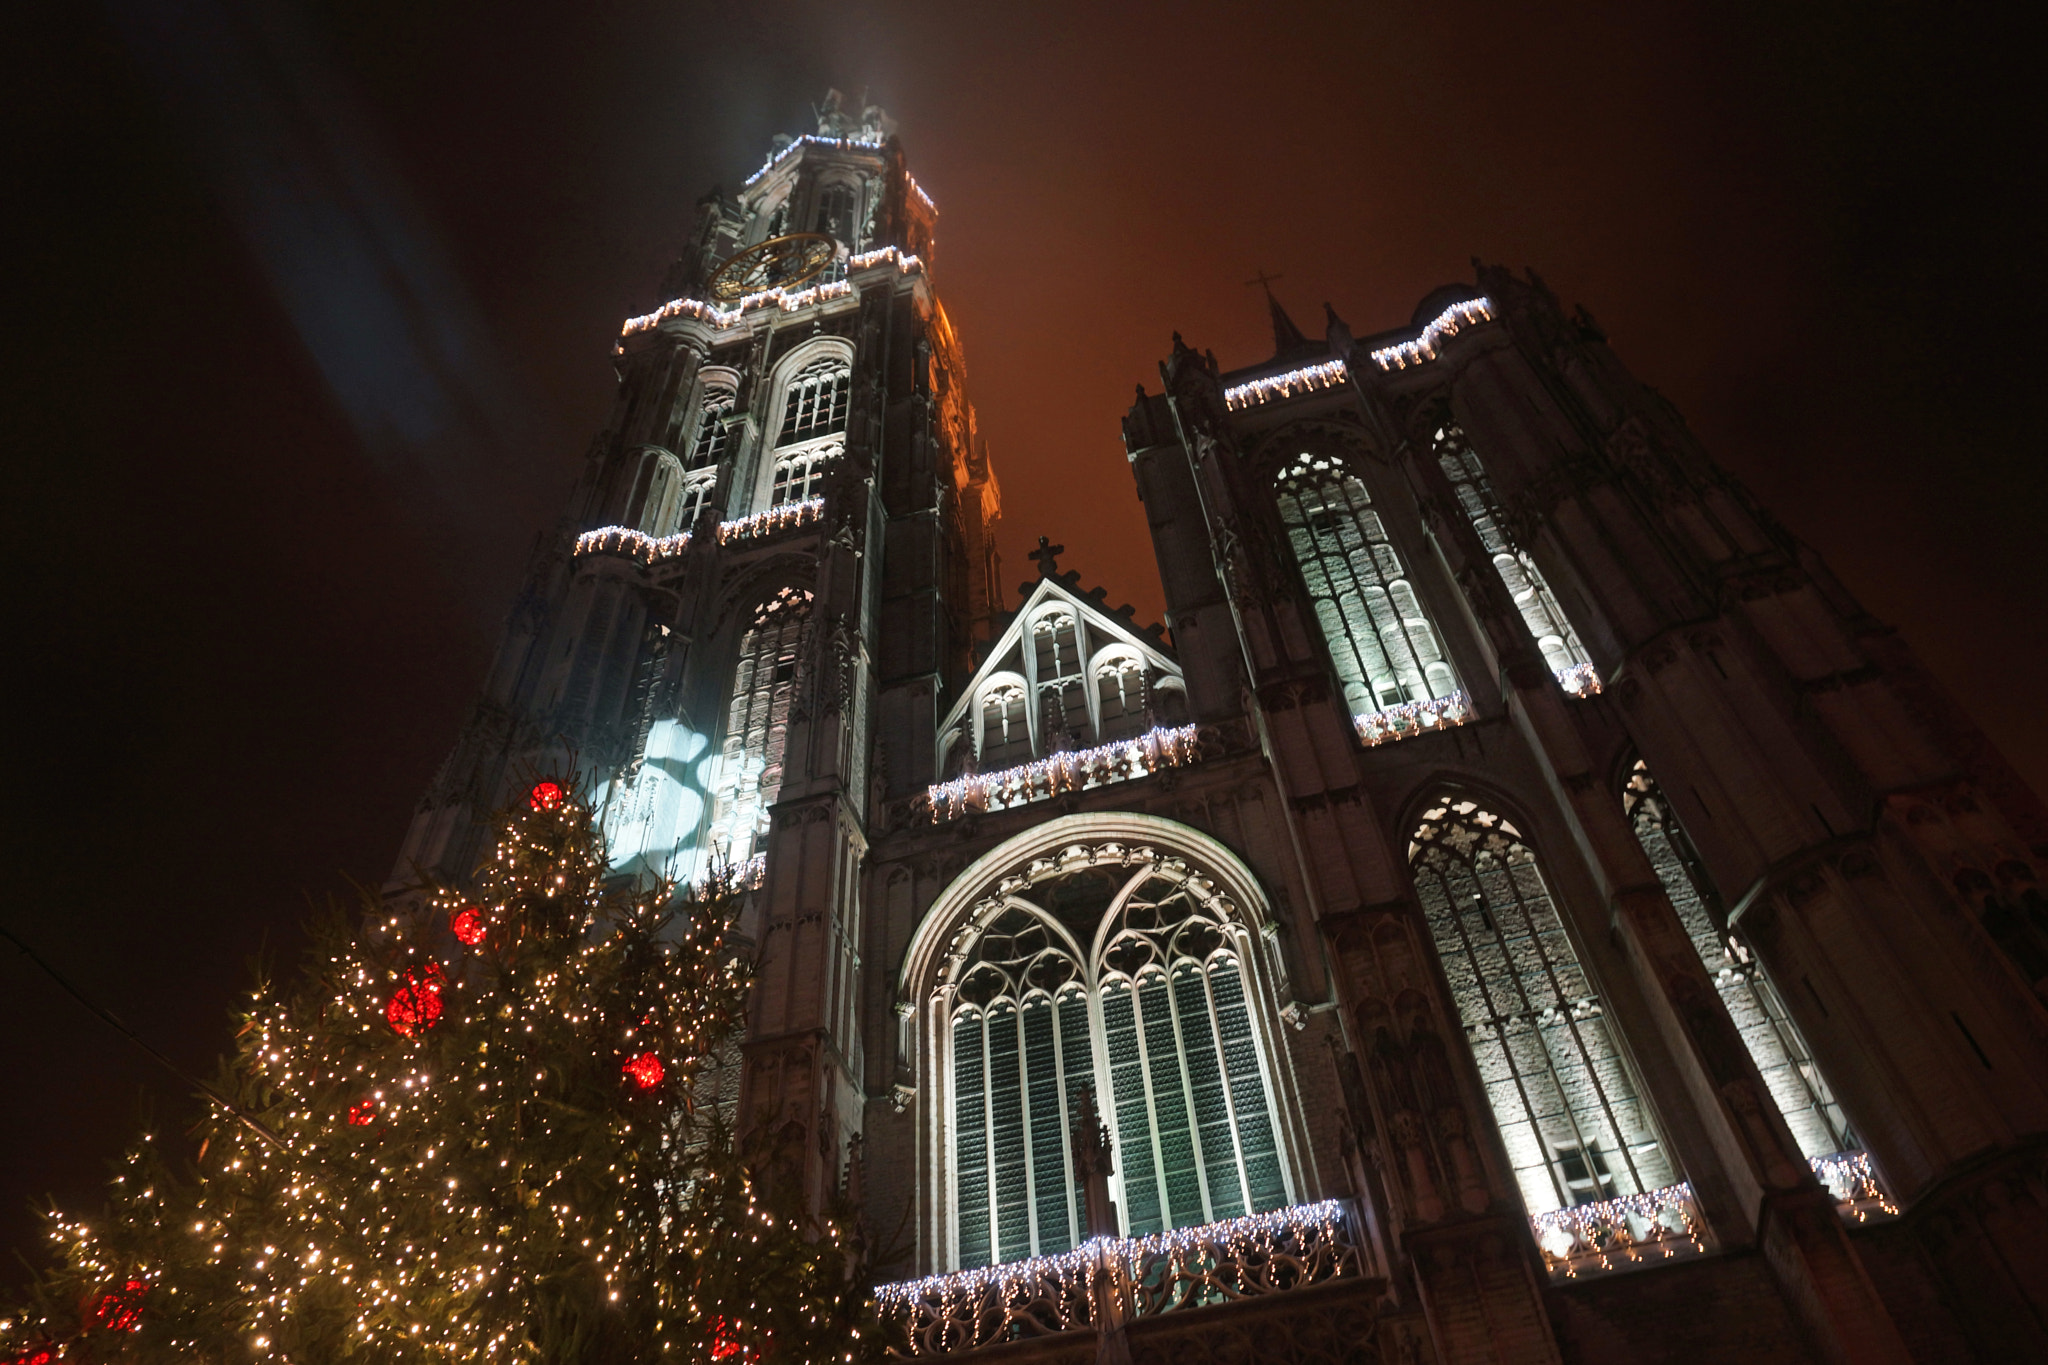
column 723, row 1344
column 362, row 1113
column 38, row 1355
column 416, row 1005
column 120, row 1310
column 468, row 924
column 546, row 795
column 645, row 1070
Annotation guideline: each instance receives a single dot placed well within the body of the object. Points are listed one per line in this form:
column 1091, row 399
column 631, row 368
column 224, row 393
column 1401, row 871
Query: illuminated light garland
column 1160, row 747
column 788, row 302
column 918, row 190
column 837, row 144
column 1162, row 1272
column 1308, row 379
column 1412, row 718
column 772, row 519
column 1629, row 1229
column 1445, row 324
column 1853, row 1181
column 623, row 540
column 1581, row 680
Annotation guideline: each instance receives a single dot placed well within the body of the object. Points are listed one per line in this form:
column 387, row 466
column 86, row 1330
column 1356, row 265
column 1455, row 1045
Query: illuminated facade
column 1524, row 909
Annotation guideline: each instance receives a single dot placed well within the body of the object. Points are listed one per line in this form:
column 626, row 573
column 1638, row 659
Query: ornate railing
column 1111, row 1280
column 1581, row 680
column 1413, row 718
column 1853, row 1181
column 1634, row 1229
column 1161, row 747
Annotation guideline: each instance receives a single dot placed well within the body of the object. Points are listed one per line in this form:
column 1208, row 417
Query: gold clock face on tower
column 778, row 263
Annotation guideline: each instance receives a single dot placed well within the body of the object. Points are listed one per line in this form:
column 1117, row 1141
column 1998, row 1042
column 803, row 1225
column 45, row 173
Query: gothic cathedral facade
column 1519, row 907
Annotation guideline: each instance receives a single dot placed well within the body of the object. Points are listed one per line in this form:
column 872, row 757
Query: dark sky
column 309, row 310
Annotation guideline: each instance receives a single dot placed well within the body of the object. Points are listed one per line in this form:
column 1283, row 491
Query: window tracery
column 708, row 446
column 1525, row 583
column 1575, row 1129
column 749, row 773
column 813, row 422
column 1122, row 698
column 1774, row 1042
column 1128, row 982
column 1384, row 649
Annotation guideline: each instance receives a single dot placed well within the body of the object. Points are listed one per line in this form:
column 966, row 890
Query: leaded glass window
column 749, row 772
column 1789, row 1071
column 1575, row 1129
column 1130, row 984
column 708, row 445
column 1385, row 651
column 816, row 402
column 1554, row 635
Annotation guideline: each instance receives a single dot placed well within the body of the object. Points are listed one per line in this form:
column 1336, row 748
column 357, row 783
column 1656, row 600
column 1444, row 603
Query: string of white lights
column 624, row 540
column 1853, row 1181
column 837, row 144
column 788, row 302
column 1445, row 324
column 1308, row 379
column 1664, row 1221
column 1255, row 1232
column 1158, row 747
column 1413, row 718
column 1581, row 680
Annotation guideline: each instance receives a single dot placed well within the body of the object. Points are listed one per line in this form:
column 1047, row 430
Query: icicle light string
column 1412, row 718
column 836, row 144
column 1445, row 324
column 623, row 540
column 1160, row 747
column 787, row 301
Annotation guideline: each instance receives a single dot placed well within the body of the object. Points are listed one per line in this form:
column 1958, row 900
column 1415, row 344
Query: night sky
column 310, row 309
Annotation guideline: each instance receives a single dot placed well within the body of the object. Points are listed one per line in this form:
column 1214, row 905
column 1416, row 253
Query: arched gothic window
column 813, row 422
column 816, row 403
column 1562, row 1096
column 1005, row 729
column 756, row 726
column 1774, row 1042
column 660, row 506
column 1062, row 692
column 835, row 213
column 1129, row 981
column 708, row 446
column 1120, row 695
column 1381, row 642
column 1518, row 572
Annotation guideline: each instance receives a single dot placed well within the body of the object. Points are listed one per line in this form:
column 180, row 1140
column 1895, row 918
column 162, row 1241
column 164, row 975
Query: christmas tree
column 485, row 1128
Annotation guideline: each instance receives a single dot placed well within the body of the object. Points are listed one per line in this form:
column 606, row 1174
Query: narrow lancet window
column 1569, row 1115
column 1385, row 650
column 1774, row 1042
column 1532, row 596
column 764, row 683
column 708, row 445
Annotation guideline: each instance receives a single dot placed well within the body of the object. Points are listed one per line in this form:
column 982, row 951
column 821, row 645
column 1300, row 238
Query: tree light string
column 1159, row 747
column 1445, row 324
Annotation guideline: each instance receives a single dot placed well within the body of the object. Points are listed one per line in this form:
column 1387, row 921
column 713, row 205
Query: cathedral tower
column 1518, row 908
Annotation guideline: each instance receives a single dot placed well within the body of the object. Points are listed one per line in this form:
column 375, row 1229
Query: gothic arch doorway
column 1117, row 954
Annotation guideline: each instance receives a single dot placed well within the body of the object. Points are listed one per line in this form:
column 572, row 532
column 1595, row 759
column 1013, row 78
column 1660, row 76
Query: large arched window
column 1130, row 980
column 835, row 213
column 1518, row 572
column 812, row 431
column 1062, row 692
column 1774, row 1042
column 1384, row 649
column 749, row 774
column 1567, row 1108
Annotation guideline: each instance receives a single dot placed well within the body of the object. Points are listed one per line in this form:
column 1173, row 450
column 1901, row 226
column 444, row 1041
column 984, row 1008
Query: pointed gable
column 1065, row 673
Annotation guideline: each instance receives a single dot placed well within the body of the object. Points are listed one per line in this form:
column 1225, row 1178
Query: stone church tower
column 1519, row 908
